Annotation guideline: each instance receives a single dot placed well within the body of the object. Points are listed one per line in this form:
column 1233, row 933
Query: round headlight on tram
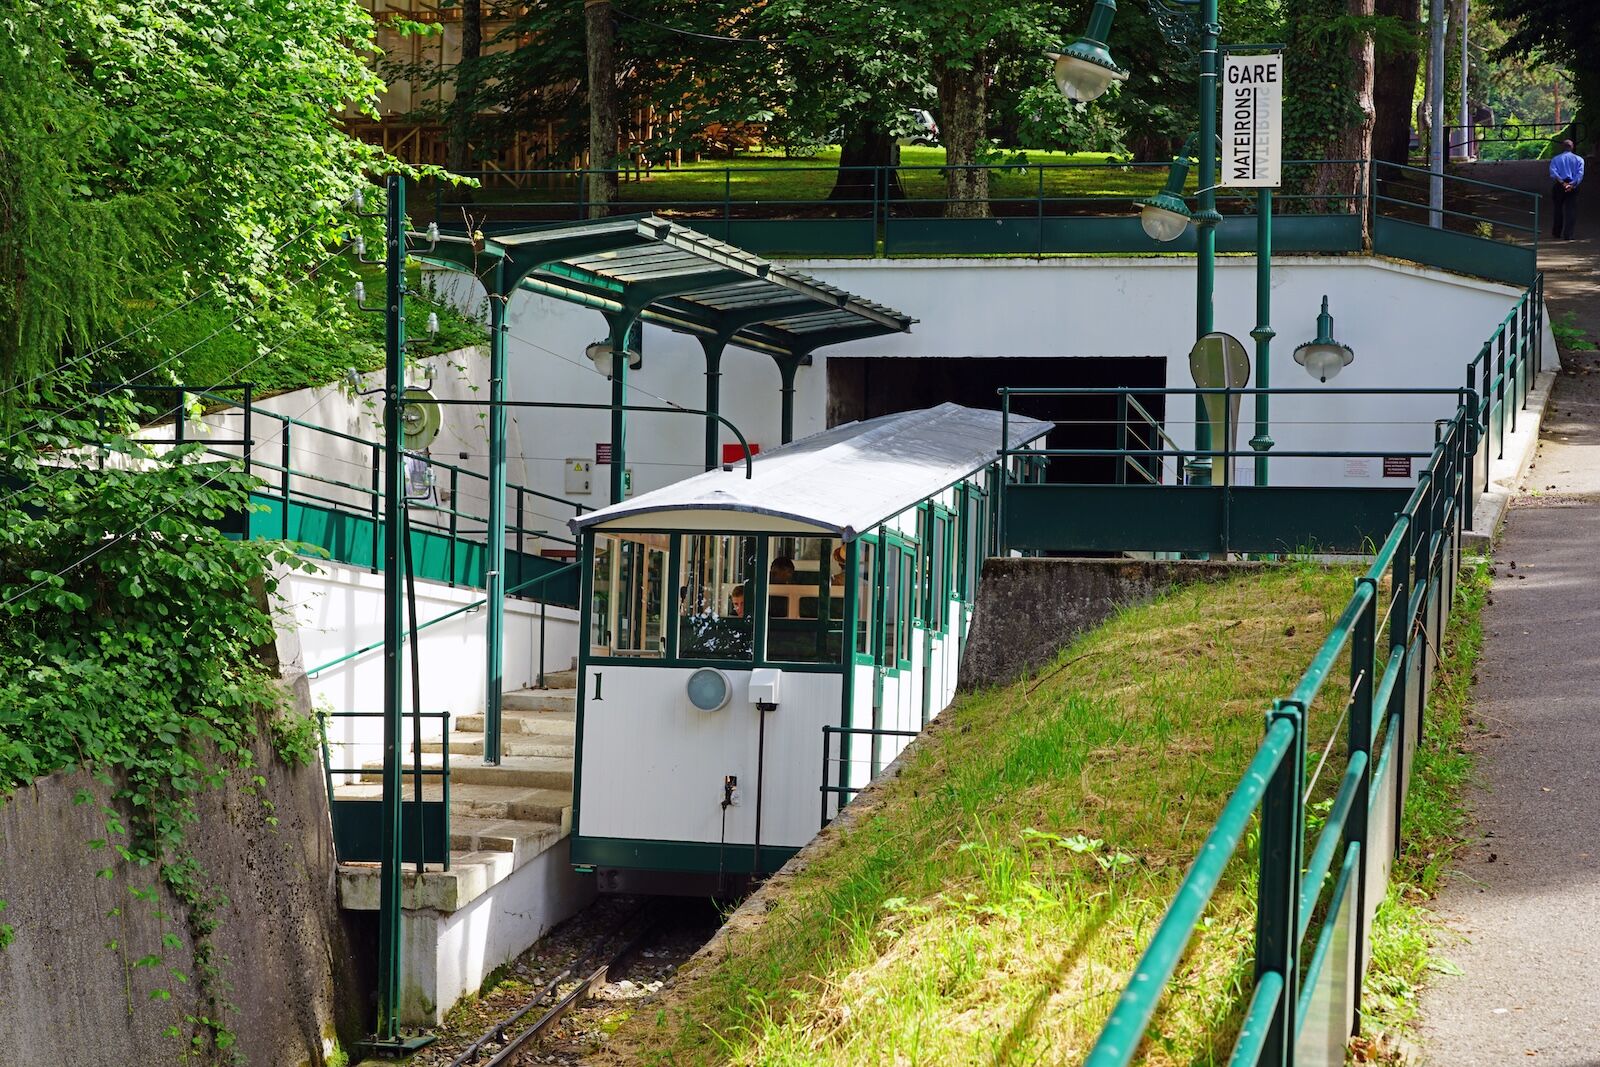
column 708, row 689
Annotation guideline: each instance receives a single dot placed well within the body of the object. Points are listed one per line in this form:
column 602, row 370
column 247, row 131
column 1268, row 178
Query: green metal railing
column 1483, row 229
column 425, row 823
column 343, row 517
column 1391, row 632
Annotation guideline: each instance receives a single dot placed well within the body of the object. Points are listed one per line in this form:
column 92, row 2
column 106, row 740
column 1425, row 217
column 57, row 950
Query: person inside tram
column 781, row 572
column 736, row 602
column 838, row 561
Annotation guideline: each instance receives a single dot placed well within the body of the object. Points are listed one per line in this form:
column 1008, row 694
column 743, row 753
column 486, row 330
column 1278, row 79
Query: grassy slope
column 993, row 904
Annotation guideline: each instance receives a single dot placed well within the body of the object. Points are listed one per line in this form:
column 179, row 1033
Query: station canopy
column 840, row 483
column 676, row 277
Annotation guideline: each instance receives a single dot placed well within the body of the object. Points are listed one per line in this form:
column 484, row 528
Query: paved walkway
column 1525, row 899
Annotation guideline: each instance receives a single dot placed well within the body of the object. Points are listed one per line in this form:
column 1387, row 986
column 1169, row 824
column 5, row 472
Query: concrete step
column 565, row 699
column 480, row 801
column 528, row 772
column 524, row 839
column 561, row 679
column 511, row 744
column 538, row 723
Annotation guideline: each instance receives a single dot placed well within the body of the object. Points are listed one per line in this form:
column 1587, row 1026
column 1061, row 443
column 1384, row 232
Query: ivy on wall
column 130, row 630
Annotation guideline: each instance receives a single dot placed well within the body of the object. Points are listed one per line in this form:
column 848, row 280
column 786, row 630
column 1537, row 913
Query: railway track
column 588, row 989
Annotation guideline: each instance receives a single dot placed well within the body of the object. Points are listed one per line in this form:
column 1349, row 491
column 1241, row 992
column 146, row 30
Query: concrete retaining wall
column 1030, row 609
column 69, row 992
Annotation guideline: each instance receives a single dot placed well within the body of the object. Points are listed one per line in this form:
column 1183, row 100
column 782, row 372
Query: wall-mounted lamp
column 1323, row 358
column 1085, row 69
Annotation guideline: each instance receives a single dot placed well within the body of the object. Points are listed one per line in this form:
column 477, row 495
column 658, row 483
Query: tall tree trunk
column 1394, row 84
column 465, row 104
column 867, row 144
column 1352, row 141
column 601, row 42
column 963, row 100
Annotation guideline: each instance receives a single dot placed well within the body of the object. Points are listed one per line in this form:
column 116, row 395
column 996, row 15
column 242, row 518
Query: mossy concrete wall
column 1030, row 609
column 69, row 988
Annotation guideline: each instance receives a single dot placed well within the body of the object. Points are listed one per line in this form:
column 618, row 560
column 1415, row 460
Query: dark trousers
column 1566, row 210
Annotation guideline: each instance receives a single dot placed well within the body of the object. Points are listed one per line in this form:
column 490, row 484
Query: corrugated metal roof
column 686, row 281
column 841, row 482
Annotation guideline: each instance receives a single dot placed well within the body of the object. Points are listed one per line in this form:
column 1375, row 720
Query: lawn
column 770, row 179
column 989, row 904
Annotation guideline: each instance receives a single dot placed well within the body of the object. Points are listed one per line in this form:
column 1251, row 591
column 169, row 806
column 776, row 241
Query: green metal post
column 494, row 584
column 388, row 1029
column 1206, row 218
column 1278, row 893
column 713, row 347
column 788, row 368
column 619, row 397
column 1263, row 333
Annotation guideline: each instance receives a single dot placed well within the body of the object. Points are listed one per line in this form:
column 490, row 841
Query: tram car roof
column 840, row 482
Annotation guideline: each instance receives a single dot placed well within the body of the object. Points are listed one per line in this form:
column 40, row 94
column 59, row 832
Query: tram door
column 892, row 661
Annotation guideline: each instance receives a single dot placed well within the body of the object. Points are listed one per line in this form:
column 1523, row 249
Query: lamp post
column 1085, row 69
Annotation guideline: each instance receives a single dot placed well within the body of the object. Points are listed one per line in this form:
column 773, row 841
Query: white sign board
column 1252, row 122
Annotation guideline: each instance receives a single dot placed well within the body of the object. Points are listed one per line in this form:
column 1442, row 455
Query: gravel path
column 1525, row 898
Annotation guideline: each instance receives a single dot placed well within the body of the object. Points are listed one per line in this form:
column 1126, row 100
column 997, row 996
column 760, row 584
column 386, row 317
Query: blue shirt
column 1567, row 167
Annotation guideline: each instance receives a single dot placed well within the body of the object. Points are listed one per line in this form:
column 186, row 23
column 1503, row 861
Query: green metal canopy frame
column 632, row 269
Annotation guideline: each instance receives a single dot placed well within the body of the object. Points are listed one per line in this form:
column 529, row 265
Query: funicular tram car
column 730, row 620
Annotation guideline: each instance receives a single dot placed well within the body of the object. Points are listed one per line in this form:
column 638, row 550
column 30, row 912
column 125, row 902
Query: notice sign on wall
column 1252, row 122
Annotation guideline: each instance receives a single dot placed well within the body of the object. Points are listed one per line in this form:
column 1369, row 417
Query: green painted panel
column 349, row 538
column 358, row 831
column 1163, row 518
column 1460, row 252
column 700, row 856
column 1108, row 234
column 793, row 237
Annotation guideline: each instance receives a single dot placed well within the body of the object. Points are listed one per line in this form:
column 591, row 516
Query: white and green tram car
column 758, row 648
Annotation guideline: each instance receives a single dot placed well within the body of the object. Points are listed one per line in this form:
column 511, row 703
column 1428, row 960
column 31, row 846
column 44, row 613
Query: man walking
column 1566, row 175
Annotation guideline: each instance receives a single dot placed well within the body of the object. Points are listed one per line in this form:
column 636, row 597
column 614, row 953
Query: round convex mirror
column 708, row 689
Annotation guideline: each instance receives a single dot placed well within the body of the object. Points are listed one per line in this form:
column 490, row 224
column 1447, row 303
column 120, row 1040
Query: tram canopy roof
column 674, row 277
column 840, row 483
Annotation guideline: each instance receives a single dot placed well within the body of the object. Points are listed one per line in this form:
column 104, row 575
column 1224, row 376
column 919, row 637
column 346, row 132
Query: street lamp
column 1085, row 69
column 1323, row 358
column 1165, row 216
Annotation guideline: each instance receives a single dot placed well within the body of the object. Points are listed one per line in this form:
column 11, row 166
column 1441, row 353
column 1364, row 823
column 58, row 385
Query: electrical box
column 579, row 472
column 766, row 687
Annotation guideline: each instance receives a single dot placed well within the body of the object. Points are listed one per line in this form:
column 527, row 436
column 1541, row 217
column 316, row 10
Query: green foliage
column 129, row 650
column 1320, row 102
column 152, row 153
column 1564, row 32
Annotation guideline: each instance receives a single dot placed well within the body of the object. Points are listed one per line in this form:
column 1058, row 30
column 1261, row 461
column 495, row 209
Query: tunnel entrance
column 866, row 387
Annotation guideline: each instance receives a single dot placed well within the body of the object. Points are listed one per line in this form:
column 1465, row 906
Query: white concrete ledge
column 1505, row 475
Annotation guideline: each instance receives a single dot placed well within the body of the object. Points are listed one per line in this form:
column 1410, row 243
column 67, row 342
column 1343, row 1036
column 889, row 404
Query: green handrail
column 558, row 572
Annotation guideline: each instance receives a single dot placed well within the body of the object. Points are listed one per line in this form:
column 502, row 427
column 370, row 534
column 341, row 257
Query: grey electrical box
column 578, row 476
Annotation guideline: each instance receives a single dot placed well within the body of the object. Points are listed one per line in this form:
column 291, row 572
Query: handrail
column 465, row 608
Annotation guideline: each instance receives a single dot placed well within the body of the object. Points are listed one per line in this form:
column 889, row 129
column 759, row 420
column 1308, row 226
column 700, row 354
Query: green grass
column 772, row 179
column 990, row 904
column 1406, row 932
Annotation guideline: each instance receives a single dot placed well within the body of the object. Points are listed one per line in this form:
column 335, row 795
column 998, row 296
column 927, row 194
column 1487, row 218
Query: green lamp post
column 1165, row 216
column 1085, row 69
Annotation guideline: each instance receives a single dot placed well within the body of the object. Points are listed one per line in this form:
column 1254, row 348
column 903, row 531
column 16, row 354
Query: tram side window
column 893, row 595
column 938, row 610
column 716, row 593
column 629, row 601
column 805, row 603
column 864, row 596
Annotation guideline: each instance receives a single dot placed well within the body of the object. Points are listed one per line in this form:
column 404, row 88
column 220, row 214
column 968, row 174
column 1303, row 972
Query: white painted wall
column 1409, row 326
column 337, row 609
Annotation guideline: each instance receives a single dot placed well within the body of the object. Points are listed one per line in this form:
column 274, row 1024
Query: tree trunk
column 1354, row 140
column 1394, row 84
column 867, row 144
column 601, row 42
column 963, row 102
column 465, row 104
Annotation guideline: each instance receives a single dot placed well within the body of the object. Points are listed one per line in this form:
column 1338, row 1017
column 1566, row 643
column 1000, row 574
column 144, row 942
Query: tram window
column 940, row 582
column 864, row 597
column 893, row 595
column 805, row 603
column 629, row 602
column 908, row 590
column 716, row 598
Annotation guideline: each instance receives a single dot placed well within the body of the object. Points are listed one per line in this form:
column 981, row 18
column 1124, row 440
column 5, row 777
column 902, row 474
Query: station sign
column 1252, row 121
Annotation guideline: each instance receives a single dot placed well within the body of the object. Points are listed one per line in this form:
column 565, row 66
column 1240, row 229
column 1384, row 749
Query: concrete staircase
column 501, row 817
column 506, row 822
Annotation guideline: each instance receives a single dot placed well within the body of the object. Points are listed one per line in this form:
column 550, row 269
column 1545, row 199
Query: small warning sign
column 1397, row 466
column 602, row 452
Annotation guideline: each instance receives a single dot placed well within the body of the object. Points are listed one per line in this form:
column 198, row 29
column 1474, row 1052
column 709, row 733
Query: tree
column 1394, row 83
column 1564, row 32
column 600, row 46
column 466, row 94
column 1328, row 110
column 201, row 150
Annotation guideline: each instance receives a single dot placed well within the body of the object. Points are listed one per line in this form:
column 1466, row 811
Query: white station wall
column 1410, row 327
